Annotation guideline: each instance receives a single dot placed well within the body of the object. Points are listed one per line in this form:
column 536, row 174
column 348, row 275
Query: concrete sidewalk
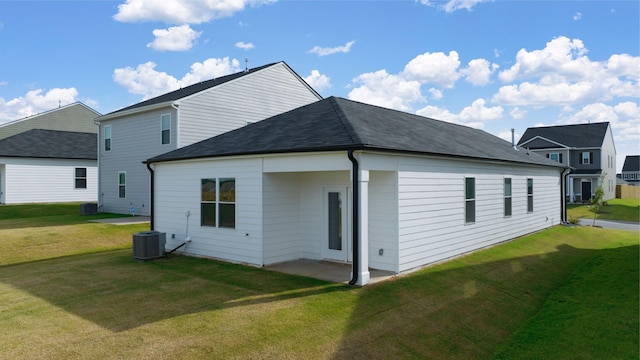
column 127, row 220
column 611, row 224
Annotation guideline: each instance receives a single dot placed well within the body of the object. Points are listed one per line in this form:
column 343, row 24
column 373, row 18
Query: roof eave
column 137, row 110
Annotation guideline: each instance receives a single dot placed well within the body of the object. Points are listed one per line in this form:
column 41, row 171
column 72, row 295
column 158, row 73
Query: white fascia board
column 136, row 111
column 563, row 146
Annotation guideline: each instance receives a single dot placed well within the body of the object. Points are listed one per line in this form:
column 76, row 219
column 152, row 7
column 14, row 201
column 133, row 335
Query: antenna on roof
column 246, row 65
column 59, row 104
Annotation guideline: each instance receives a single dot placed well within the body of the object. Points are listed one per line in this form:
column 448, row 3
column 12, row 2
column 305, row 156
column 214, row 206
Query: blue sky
column 493, row 65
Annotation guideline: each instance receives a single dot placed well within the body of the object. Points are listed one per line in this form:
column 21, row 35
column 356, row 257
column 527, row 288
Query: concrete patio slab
column 324, row 270
column 128, row 220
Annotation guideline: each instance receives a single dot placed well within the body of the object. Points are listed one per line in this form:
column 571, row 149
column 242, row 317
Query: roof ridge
column 344, row 120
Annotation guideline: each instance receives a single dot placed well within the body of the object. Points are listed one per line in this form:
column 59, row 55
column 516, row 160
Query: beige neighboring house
column 76, row 117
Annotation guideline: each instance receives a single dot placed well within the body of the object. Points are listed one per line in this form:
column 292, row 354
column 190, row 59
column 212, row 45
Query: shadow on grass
column 119, row 293
column 464, row 312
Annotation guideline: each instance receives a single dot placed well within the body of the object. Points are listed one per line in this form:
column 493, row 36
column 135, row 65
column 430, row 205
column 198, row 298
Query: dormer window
column 586, row 158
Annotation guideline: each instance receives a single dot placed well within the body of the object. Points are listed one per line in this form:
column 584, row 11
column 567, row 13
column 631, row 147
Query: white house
column 343, row 181
column 39, row 166
column 182, row 117
column 588, row 149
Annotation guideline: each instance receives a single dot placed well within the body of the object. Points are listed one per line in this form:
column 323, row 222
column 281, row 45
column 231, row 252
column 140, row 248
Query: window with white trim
column 107, row 138
column 557, row 157
column 469, row 200
column 529, row 195
column 507, row 196
column 218, row 202
column 122, row 185
column 586, row 158
column 80, row 178
column 166, row 129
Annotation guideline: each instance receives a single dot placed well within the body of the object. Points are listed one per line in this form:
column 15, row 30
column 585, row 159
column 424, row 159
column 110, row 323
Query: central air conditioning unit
column 149, row 245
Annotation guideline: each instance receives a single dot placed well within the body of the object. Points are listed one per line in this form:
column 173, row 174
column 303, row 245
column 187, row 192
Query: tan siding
column 74, row 117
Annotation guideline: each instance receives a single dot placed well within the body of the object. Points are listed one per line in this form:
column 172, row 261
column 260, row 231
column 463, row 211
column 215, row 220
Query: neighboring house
column 39, row 166
column 182, row 117
column 76, row 117
column 587, row 148
column 343, row 181
column 631, row 170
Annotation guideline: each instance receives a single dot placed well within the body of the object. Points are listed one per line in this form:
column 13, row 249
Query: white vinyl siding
column 47, row 180
column 232, row 105
column 177, row 193
column 431, row 211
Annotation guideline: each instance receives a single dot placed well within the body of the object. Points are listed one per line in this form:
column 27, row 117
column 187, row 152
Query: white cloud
column 577, row 16
column 517, row 113
column 382, row 89
column 175, row 38
column 435, row 94
column 454, row 5
column 182, row 11
column 318, row 81
column 479, row 72
column 35, row 102
column 562, row 74
column 434, row 68
column 624, row 118
column 146, row 81
column 320, row 51
column 475, row 115
column 244, row 46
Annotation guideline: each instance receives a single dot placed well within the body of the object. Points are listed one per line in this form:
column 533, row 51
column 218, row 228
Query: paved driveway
column 610, row 224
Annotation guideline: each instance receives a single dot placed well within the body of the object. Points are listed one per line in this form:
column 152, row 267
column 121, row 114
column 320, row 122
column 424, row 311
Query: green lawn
column 572, row 291
column 616, row 209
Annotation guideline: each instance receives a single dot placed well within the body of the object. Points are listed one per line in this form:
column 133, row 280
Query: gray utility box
column 88, row 209
column 149, row 245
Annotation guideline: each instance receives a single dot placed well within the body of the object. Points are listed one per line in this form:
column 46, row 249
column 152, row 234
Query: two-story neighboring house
column 182, row 117
column 631, row 170
column 587, row 148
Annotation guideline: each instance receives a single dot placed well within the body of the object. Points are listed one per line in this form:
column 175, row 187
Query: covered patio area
column 326, row 270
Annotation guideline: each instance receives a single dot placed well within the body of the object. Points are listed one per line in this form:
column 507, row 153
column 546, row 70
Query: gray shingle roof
column 575, row 136
column 38, row 143
column 341, row 124
column 631, row 163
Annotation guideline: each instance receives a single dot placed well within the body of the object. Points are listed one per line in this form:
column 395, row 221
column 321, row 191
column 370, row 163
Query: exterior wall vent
column 149, row 245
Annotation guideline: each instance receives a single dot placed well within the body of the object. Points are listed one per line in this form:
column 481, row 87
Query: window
column 122, row 184
column 469, row 200
column 107, row 138
column 586, row 158
column 507, row 197
column 166, row 129
column 529, row 195
column 81, row 178
column 218, row 202
column 557, row 157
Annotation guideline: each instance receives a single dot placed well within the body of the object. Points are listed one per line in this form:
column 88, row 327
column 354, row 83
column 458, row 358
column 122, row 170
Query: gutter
column 356, row 217
column 151, row 196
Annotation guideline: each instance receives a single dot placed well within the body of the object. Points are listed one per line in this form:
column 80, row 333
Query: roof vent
column 513, row 139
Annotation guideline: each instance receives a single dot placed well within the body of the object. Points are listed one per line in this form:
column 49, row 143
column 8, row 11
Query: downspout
column 563, row 193
column 356, row 217
column 151, row 197
column 99, row 206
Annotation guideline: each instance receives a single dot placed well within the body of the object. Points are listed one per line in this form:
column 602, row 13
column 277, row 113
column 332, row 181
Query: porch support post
column 363, row 248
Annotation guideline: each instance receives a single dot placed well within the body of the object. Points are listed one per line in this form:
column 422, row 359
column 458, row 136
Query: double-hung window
column 166, row 129
column 557, row 157
column 107, row 138
column 586, row 158
column 469, row 200
column 218, row 202
column 122, row 185
column 80, row 178
column 507, row 196
column 529, row 195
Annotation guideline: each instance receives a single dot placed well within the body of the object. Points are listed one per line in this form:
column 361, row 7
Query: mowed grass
column 616, row 209
column 496, row 302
